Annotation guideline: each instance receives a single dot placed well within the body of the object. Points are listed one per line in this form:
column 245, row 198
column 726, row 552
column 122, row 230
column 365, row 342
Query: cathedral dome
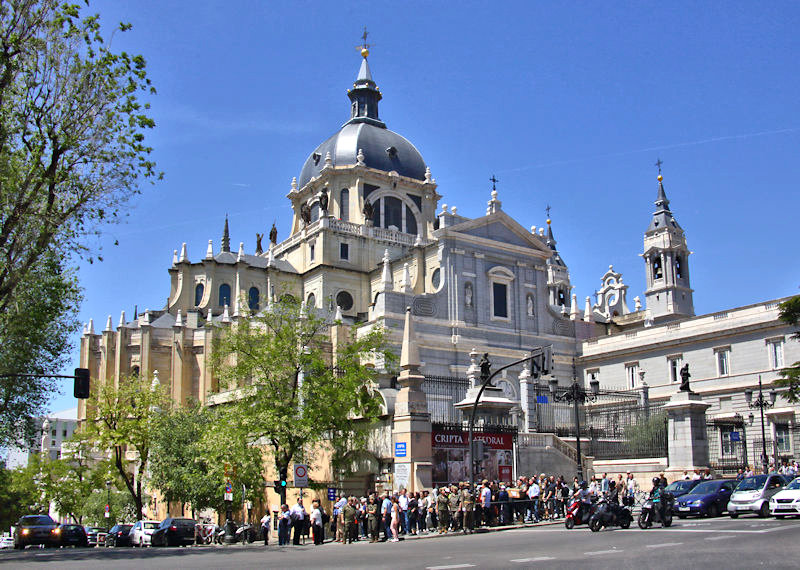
column 382, row 149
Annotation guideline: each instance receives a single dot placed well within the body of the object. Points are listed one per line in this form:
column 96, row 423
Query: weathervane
column 494, row 182
column 364, row 47
column 547, row 209
column 659, row 162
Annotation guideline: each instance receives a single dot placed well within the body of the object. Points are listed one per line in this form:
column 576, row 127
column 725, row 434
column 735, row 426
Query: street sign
column 300, row 475
column 331, row 493
column 400, row 449
column 735, row 436
column 107, row 514
column 228, row 496
column 402, row 473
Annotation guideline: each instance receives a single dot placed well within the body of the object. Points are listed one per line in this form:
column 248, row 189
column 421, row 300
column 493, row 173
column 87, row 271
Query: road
column 704, row 543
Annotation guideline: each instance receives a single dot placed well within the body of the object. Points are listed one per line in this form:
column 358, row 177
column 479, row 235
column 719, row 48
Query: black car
column 73, row 535
column 119, row 535
column 173, row 532
column 36, row 529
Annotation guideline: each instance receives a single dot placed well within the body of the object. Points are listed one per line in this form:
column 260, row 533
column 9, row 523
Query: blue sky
column 567, row 103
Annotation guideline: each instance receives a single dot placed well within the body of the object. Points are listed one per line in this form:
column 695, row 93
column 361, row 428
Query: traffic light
column 81, row 389
column 276, row 484
column 283, row 475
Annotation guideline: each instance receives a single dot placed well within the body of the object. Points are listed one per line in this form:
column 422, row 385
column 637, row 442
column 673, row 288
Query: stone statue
column 485, row 366
column 685, row 378
column 530, row 306
column 368, row 211
column 468, row 294
column 259, row 249
column 273, row 234
column 323, row 201
column 305, row 213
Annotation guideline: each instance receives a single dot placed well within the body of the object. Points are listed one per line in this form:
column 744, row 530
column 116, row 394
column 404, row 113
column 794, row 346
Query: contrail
column 652, row 148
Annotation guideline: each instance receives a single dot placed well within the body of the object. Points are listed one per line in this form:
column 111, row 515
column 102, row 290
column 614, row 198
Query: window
column 562, row 298
column 782, row 438
column 54, row 432
column 592, row 375
column 723, row 361
column 311, row 301
column 674, row 366
column 344, row 251
column 658, row 270
column 224, row 295
column 252, row 298
column 64, row 433
column 314, row 212
column 726, row 440
column 344, row 300
column 198, row 294
column 500, row 300
column 679, row 267
column 411, row 222
column 775, row 347
column 632, row 374
column 391, row 212
column 344, row 205
column 311, row 250
column 436, row 278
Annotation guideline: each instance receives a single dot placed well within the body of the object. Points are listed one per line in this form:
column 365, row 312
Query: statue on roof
column 259, row 249
column 323, row 201
column 368, row 211
column 273, row 234
column 305, row 213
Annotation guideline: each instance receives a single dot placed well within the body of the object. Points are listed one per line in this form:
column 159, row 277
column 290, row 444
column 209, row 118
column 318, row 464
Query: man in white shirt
column 402, row 501
column 266, row 523
column 533, row 496
column 298, row 515
column 316, row 523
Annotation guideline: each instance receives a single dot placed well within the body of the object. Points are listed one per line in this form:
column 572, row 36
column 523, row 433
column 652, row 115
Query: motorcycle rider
column 584, row 495
column 656, row 497
column 613, row 493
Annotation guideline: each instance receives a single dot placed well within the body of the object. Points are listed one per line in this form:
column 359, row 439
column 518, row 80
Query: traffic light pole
column 81, row 378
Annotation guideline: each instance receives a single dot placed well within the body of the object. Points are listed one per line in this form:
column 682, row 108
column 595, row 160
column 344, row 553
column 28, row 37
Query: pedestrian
column 453, row 506
column 266, row 522
column 467, row 508
column 533, row 496
column 298, row 518
column 443, row 510
column 373, row 511
column 337, row 516
column 413, row 512
column 395, row 519
column 504, row 501
column 386, row 515
column 402, row 501
column 316, row 523
column 349, row 515
column 284, row 522
column 486, row 503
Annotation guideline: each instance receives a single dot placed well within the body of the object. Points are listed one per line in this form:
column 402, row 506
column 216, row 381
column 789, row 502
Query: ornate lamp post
column 761, row 403
column 578, row 395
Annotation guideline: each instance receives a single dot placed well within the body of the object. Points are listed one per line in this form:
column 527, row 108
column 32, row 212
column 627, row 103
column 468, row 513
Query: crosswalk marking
column 596, row 552
column 536, row 559
column 448, row 567
column 719, row 537
column 663, row 544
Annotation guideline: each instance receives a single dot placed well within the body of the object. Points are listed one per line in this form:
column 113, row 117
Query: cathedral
column 371, row 235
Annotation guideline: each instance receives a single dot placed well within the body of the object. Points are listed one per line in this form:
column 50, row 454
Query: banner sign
column 448, row 439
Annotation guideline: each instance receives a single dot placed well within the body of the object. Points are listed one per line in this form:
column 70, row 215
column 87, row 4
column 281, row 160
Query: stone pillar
column 524, row 401
column 686, row 432
column 412, row 422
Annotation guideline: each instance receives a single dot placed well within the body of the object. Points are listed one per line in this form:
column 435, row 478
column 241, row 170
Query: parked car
column 141, row 532
column 173, row 532
column 709, row 498
column 786, row 501
column 96, row 535
column 36, row 529
column 119, row 535
column 680, row 488
column 6, row 541
column 753, row 495
column 73, row 535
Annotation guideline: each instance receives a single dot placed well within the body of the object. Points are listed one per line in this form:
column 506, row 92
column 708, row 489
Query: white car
column 6, row 541
column 787, row 501
column 141, row 532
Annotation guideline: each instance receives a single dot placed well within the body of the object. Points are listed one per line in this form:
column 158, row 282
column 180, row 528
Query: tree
column 19, row 493
column 72, row 127
column 179, row 467
column 291, row 396
column 790, row 376
column 120, row 422
column 35, row 335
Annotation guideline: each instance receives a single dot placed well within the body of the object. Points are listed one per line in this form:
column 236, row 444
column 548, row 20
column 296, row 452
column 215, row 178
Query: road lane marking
column 663, row 544
column 450, row 566
column 596, row 552
column 536, row 559
column 718, row 537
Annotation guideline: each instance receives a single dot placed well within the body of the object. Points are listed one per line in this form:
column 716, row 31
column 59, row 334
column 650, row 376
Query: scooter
column 650, row 514
column 610, row 514
column 577, row 514
column 245, row 534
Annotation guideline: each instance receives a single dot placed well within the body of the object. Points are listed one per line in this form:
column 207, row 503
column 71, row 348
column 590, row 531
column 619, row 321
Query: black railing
column 442, row 393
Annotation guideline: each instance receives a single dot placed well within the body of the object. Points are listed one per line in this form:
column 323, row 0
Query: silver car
column 752, row 495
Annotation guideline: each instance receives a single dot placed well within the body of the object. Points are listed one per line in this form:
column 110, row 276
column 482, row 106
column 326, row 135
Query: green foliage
column 790, row 376
column 290, row 397
column 643, row 438
column 180, row 467
column 20, row 493
column 120, row 423
column 34, row 338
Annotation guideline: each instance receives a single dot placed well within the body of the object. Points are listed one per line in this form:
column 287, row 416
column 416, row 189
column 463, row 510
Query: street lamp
column 578, row 395
column 761, row 403
column 108, row 499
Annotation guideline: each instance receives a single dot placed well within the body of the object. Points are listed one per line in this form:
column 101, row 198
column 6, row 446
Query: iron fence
column 442, row 393
column 727, row 445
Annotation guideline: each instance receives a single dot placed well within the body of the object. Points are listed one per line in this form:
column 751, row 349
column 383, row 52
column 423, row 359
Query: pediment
column 500, row 227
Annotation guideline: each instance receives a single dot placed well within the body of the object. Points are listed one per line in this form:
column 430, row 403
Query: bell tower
column 666, row 258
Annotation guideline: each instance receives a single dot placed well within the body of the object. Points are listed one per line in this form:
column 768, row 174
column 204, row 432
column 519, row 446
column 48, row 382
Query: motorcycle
column 650, row 514
column 245, row 534
column 232, row 533
column 577, row 514
column 610, row 514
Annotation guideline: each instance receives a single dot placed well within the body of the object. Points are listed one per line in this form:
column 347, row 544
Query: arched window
column 658, row 271
column 135, row 371
column 224, row 295
column 252, row 298
column 344, row 300
column 344, row 205
column 392, row 213
column 311, row 301
column 411, row 222
column 198, row 294
column 314, row 212
column 562, row 298
column 679, row 267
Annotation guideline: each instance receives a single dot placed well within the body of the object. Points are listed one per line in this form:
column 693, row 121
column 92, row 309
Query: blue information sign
column 542, row 400
column 735, row 436
column 331, row 493
column 400, row 449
